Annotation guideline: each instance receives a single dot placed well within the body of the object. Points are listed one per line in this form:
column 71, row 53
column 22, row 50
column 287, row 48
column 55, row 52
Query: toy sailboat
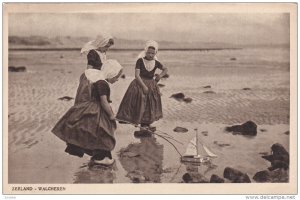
column 197, row 152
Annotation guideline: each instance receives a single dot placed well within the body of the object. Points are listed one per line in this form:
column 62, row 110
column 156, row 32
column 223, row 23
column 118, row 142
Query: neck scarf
column 110, row 69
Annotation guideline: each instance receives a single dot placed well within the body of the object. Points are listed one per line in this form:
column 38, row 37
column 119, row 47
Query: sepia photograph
column 150, row 98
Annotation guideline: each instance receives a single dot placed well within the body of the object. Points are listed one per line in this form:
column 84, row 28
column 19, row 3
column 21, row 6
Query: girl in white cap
column 89, row 126
column 96, row 55
column 141, row 103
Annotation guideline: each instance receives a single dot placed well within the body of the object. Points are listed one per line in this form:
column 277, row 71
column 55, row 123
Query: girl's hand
column 112, row 117
column 145, row 90
column 157, row 78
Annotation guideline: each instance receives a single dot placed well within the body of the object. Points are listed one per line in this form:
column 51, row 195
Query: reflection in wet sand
column 96, row 174
column 197, row 173
column 143, row 161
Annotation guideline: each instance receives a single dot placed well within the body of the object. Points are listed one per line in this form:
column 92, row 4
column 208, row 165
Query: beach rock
column 180, row 129
column 248, row 128
column 178, row 96
column 194, row 178
column 161, row 85
column 188, row 100
column 263, row 130
column 279, row 158
column 205, row 133
column 65, row 98
column 216, row 179
column 61, row 56
column 262, row 176
column 276, row 176
column 246, row 88
column 209, row 92
column 17, row 69
column 123, row 76
column 232, row 58
column 208, row 86
column 287, row 133
column 242, row 179
column 221, row 144
column 236, row 176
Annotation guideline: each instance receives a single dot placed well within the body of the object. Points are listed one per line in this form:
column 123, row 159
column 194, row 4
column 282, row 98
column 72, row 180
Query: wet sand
column 37, row 156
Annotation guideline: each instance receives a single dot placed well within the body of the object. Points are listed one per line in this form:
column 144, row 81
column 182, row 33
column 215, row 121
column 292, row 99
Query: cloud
column 230, row 28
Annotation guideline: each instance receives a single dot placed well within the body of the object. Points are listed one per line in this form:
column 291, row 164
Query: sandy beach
column 35, row 155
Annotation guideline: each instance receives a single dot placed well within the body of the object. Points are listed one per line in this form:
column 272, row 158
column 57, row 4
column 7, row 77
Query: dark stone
column 274, row 176
column 187, row 178
column 205, row 133
column 262, row 176
column 279, row 158
column 242, row 179
column 194, row 178
column 178, row 96
column 180, row 129
column 216, row 179
column 263, row 130
column 61, row 56
column 136, row 180
column 278, row 164
column 188, row 100
column 236, row 176
column 65, row 98
column 248, row 128
column 246, row 88
column 11, row 68
column 123, row 76
column 209, row 92
column 208, row 86
column 232, row 58
column 161, row 85
column 17, row 69
column 287, row 133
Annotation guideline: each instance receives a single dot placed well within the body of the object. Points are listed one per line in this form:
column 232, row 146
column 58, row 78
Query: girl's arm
column 140, row 81
column 105, row 105
column 164, row 72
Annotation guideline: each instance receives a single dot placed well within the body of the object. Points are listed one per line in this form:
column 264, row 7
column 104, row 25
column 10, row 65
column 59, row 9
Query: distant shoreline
column 163, row 49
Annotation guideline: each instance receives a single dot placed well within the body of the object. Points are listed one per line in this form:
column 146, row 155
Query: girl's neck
column 148, row 59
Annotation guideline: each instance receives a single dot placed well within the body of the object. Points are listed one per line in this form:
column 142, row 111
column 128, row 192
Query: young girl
column 96, row 55
column 141, row 103
column 88, row 127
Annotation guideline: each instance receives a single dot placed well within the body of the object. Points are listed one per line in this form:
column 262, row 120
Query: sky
column 252, row 28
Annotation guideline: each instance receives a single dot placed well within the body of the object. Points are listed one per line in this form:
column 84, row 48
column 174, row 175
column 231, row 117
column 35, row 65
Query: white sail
column 199, row 150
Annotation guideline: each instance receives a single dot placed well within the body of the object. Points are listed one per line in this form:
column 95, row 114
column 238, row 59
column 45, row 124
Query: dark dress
column 84, row 89
column 138, row 108
column 86, row 127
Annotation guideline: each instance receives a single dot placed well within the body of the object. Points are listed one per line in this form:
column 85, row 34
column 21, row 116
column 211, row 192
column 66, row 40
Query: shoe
column 149, row 128
column 106, row 161
column 152, row 128
column 122, row 122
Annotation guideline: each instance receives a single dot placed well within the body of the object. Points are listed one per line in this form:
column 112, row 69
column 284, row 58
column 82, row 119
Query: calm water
column 193, row 61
